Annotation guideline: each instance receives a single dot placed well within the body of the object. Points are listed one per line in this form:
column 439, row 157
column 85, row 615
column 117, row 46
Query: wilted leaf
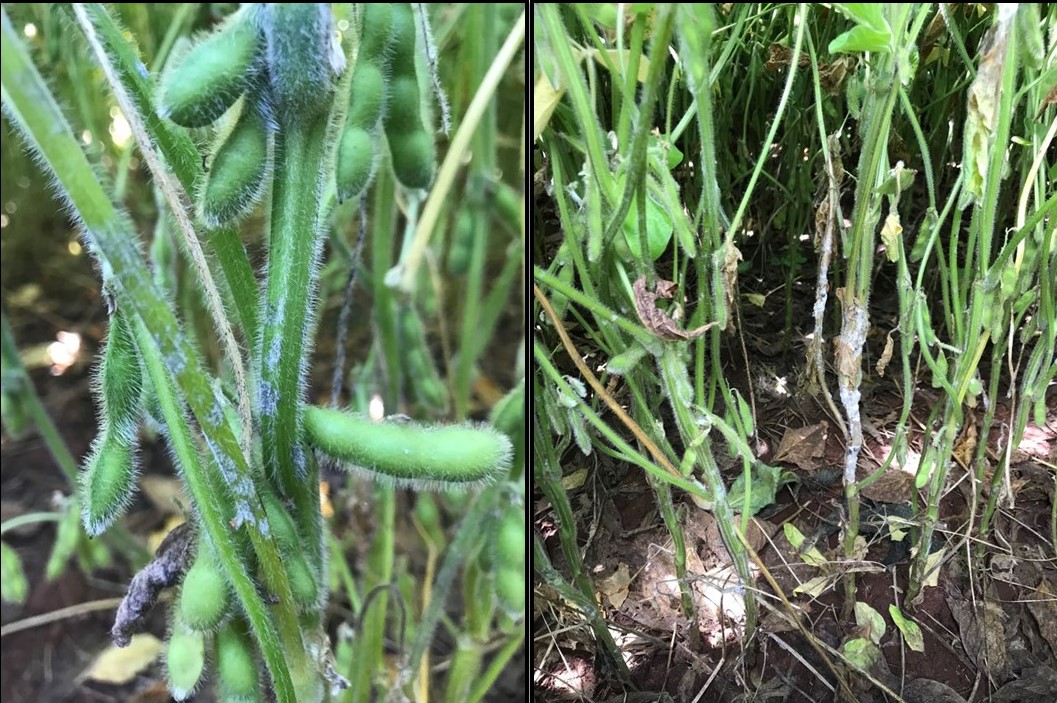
column 757, row 299
column 119, row 665
column 656, row 320
column 891, row 231
column 764, row 485
column 615, row 586
column 545, row 98
column 893, row 487
column 982, row 633
column 816, row 586
column 886, row 355
column 911, row 632
column 931, row 567
column 982, row 113
column 1043, row 606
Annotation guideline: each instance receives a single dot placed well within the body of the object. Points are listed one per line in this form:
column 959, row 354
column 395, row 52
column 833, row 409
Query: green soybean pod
column 236, row 664
column 205, row 596
column 185, row 659
column 402, row 33
column 510, row 591
column 367, row 92
column 356, row 161
column 119, row 382
column 107, row 483
column 508, row 543
column 426, row 383
column 447, row 456
column 238, row 173
column 461, row 246
column 413, row 155
column 375, row 32
column 213, row 74
column 302, row 581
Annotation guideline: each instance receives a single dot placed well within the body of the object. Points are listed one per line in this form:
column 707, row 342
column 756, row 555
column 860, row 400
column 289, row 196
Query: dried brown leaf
column 615, row 586
column 804, row 447
column 656, row 320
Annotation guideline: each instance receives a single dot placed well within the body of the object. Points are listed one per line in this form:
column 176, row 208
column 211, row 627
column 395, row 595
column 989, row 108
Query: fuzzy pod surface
column 213, row 74
column 443, row 456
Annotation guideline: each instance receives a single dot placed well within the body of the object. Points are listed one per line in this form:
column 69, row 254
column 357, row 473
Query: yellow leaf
column 574, row 480
column 816, row 586
column 757, row 299
column 121, row 665
column 934, row 559
column 545, row 98
column 890, row 234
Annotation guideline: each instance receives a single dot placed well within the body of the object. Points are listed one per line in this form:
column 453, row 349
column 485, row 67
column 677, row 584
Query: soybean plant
column 295, row 129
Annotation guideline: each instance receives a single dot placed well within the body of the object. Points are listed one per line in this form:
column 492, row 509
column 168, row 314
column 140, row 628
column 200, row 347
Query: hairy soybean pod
column 236, row 664
column 185, row 659
column 357, row 155
column 205, row 595
column 446, row 456
column 302, row 582
column 107, row 484
column 120, row 380
column 213, row 75
column 412, row 151
column 239, row 170
column 410, row 142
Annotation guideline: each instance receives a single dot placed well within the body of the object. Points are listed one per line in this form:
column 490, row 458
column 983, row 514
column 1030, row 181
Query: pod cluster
column 384, row 95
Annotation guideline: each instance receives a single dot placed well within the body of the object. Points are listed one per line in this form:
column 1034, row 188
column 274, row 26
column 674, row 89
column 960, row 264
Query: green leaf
column 796, row 538
column 867, row 616
column 863, row 13
column 909, row 628
column 659, row 228
column 861, row 652
column 13, row 585
column 861, row 38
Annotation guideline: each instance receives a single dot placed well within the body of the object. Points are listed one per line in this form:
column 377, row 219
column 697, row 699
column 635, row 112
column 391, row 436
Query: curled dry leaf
column 170, row 563
column 656, row 320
